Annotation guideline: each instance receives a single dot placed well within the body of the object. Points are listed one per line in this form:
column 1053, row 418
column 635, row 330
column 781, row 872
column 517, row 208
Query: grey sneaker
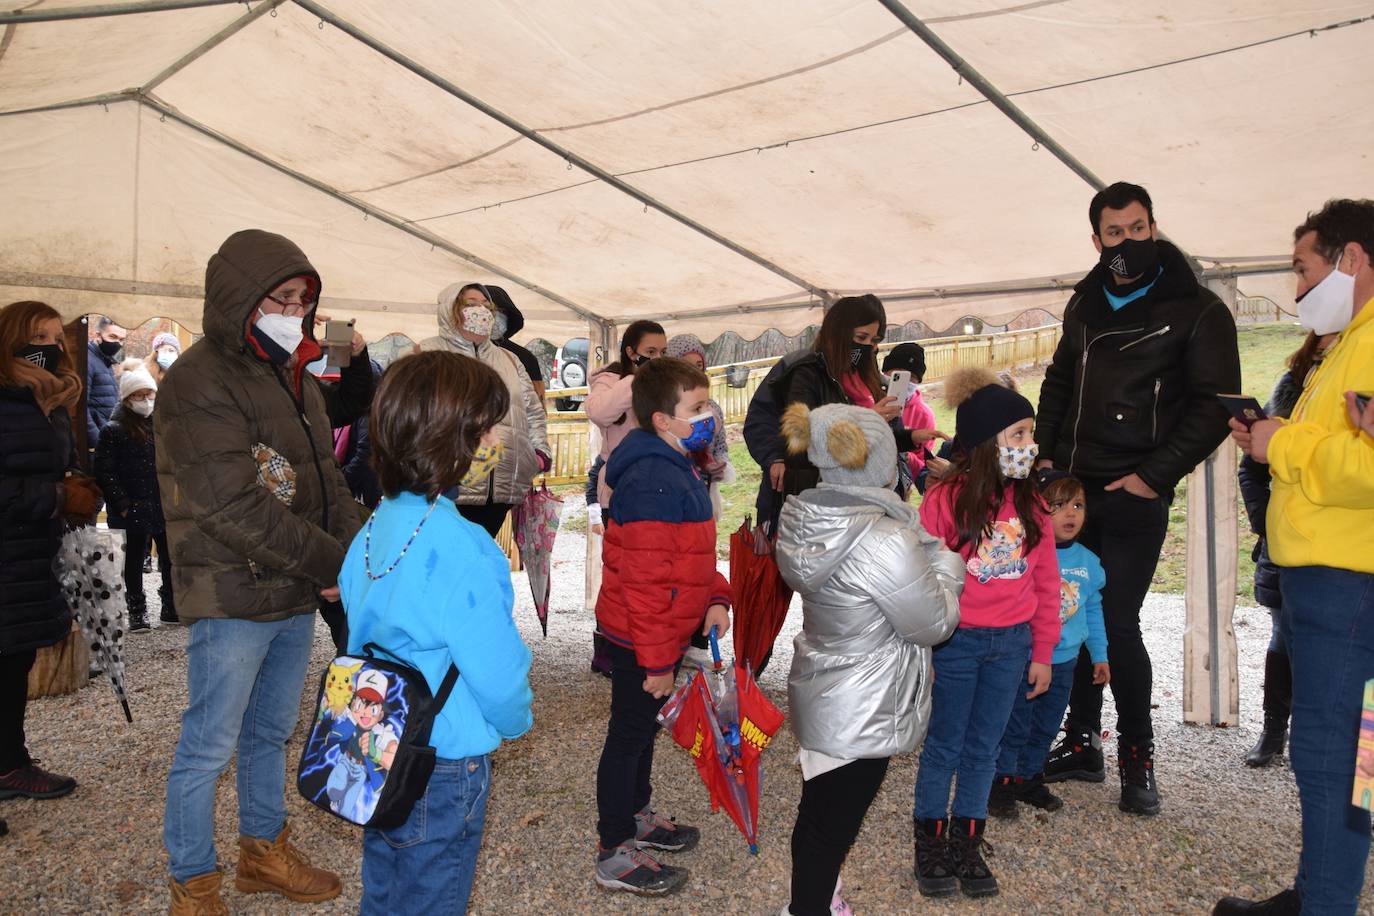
column 626, row 868
column 654, row 831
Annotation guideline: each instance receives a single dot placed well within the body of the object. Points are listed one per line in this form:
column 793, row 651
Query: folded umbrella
column 535, row 525
column 761, row 595
column 90, row 568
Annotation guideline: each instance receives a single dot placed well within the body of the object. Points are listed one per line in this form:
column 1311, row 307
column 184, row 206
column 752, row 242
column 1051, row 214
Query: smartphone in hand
column 1244, row 408
column 899, row 386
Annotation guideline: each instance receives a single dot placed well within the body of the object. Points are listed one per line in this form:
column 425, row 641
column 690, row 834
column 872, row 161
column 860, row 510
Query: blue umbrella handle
column 715, row 646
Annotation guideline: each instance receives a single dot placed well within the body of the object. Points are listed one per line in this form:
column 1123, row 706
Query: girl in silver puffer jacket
column 877, row 592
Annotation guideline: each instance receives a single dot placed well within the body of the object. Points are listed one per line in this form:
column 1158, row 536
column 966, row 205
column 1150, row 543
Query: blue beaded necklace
column 367, row 544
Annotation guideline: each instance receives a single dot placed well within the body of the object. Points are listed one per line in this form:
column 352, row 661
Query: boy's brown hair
column 427, row 419
column 1062, row 490
column 659, row 383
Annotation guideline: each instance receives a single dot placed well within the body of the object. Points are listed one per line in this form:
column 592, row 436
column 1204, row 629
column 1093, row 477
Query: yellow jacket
column 1321, row 509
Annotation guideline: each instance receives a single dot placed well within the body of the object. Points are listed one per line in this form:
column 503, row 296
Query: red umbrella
column 761, row 595
column 724, row 720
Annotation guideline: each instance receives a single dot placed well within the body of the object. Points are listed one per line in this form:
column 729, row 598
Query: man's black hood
column 503, row 302
column 1176, row 282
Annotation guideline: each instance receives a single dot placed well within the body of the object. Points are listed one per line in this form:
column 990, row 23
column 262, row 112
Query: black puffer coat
column 1134, row 391
column 35, row 452
column 1254, row 489
column 126, row 470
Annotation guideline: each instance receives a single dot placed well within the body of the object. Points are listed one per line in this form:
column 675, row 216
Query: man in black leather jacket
column 1129, row 407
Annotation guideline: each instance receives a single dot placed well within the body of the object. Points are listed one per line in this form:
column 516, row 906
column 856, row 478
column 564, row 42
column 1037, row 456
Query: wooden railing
column 568, row 429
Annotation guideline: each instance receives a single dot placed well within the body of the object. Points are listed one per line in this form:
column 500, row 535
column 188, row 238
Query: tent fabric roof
column 719, row 164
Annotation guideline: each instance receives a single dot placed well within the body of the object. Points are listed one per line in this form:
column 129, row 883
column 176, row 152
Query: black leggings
column 136, row 548
column 623, row 775
column 490, row 515
column 1126, row 532
column 14, row 693
column 831, row 812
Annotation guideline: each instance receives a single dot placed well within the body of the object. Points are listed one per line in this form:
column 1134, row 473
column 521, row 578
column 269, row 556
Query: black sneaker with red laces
column 1139, row 792
column 32, row 781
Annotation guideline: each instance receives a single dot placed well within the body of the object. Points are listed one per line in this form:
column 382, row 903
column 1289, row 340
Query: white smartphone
column 899, row 386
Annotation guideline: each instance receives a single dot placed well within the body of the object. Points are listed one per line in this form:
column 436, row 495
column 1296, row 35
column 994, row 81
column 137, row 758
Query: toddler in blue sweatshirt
column 1035, row 723
column 428, row 588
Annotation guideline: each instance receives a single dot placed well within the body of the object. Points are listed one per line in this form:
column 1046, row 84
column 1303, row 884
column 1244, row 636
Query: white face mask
column 142, row 408
column 1016, row 462
column 283, row 330
column 1329, row 306
column 165, row 358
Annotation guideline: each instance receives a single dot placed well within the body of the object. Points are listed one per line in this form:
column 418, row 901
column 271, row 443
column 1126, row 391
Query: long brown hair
column 18, row 321
column 427, row 420
column 981, row 489
column 1307, row 355
column 836, row 336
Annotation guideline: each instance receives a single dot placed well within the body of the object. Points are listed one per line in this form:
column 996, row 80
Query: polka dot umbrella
column 90, row 569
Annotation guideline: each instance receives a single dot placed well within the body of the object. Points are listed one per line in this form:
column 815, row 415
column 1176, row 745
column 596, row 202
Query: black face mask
column 43, row 356
column 1131, row 257
column 111, row 348
column 639, row 359
column 860, row 354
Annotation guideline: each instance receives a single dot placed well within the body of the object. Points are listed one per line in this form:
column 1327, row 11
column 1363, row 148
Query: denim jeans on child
column 1328, row 622
column 627, row 759
column 426, row 864
column 1034, row 724
column 244, row 681
column 977, row 673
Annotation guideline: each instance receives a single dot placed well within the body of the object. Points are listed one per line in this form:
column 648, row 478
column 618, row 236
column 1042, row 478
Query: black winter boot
column 1002, row 797
column 1284, row 903
column 1034, row 793
column 1139, row 792
column 966, row 845
column 1278, row 703
column 138, row 612
column 934, row 877
column 169, row 608
column 1077, row 756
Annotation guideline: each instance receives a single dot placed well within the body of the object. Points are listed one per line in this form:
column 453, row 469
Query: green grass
column 1263, row 350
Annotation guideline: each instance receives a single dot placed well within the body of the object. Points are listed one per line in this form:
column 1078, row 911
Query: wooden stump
column 61, row 668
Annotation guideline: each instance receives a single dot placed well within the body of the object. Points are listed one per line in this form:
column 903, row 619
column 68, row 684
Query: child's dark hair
column 658, row 385
column 979, row 498
column 1062, row 490
column 428, row 417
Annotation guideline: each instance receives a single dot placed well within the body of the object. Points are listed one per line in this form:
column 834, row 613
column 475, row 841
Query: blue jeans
column 1328, row 617
column 243, row 680
column 1035, row 723
column 977, row 673
column 426, row 864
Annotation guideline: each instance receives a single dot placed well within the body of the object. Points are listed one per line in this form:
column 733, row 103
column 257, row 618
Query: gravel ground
column 1225, row 828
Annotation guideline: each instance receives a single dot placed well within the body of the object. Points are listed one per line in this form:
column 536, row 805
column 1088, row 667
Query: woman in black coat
column 39, row 393
column 125, row 468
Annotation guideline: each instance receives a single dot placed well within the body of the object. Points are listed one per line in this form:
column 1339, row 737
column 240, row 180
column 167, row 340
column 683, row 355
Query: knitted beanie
column 679, row 345
column 133, row 380
column 164, row 339
column 851, row 446
column 983, row 406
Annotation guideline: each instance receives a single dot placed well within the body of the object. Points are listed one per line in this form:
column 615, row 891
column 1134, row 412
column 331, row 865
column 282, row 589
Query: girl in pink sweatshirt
column 989, row 512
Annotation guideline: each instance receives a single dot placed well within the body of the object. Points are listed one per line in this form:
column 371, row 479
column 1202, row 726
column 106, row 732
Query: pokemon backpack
column 367, row 757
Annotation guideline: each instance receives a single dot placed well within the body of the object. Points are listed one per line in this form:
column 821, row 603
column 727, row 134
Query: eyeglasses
column 287, row 306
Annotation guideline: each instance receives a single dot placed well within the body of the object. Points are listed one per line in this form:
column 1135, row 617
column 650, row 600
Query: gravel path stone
column 1224, row 828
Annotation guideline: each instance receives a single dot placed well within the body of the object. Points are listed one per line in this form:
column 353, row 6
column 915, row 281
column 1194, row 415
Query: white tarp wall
column 724, row 165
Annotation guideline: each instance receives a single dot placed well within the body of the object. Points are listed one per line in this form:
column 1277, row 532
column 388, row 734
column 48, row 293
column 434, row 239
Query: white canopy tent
column 725, row 166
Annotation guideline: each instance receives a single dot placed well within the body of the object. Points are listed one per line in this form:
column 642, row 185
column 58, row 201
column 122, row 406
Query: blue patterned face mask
column 1016, row 462
column 703, row 431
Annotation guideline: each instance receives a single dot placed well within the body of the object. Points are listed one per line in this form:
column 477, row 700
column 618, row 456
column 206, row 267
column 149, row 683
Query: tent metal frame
column 100, row 10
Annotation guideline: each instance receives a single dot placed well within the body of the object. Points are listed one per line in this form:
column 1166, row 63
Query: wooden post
column 1211, row 688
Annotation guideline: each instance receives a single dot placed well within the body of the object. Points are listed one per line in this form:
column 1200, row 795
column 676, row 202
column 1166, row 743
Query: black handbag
column 367, row 757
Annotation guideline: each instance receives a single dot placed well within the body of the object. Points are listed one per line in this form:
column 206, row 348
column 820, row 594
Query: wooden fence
column 734, row 386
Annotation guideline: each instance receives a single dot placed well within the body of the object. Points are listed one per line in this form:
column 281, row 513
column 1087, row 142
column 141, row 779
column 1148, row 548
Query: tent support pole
column 44, row 14
column 561, row 152
column 429, row 238
column 105, row 98
column 999, row 100
column 210, row 43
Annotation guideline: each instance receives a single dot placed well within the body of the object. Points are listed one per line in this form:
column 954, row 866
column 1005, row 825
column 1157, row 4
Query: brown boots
column 199, row 896
column 279, row 867
column 274, row 866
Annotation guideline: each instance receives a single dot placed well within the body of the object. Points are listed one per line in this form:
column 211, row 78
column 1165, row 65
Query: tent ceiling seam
column 210, row 43
column 436, row 241
column 97, row 11
column 557, row 149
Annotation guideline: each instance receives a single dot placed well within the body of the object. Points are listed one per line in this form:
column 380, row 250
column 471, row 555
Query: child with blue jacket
column 431, row 588
column 1035, row 722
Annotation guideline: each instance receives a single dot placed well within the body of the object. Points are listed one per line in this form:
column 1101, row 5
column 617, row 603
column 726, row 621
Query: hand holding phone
column 899, row 386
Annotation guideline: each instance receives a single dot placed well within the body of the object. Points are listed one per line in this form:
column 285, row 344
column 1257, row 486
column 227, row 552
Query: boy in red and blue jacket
column 659, row 579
